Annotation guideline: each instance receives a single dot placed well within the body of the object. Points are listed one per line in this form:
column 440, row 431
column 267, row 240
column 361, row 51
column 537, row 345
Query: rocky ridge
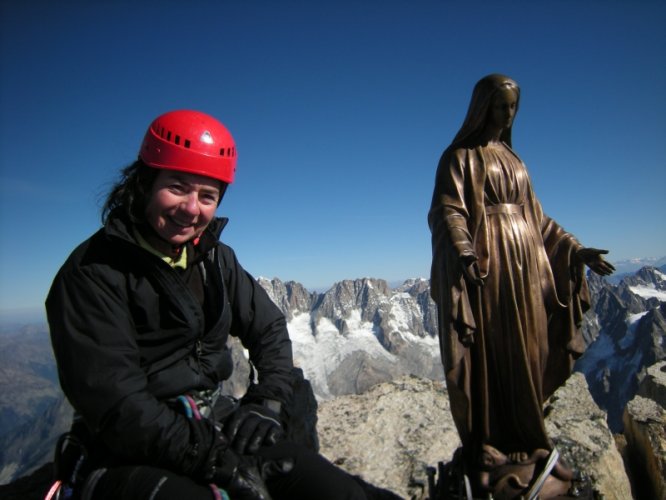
column 395, row 432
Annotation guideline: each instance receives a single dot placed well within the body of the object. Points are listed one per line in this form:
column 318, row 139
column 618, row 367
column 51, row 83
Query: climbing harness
column 190, row 403
column 69, row 462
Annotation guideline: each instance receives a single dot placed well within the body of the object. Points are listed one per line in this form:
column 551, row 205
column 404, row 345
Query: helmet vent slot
column 187, row 143
column 177, row 141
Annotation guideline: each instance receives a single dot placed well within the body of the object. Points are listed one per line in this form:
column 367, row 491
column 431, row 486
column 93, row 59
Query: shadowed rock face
column 645, row 431
column 630, row 324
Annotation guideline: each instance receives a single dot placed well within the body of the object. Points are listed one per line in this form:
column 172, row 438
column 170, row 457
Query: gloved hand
column 254, row 425
column 240, row 476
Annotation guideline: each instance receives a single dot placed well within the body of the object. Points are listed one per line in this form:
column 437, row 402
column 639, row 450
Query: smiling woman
column 140, row 315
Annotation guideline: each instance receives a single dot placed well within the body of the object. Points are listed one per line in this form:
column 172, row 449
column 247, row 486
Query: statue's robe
column 505, row 346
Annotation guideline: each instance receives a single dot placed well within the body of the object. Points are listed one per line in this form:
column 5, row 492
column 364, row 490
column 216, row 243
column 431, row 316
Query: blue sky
column 340, row 110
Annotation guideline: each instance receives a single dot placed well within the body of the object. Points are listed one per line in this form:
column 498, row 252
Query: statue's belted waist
column 504, row 208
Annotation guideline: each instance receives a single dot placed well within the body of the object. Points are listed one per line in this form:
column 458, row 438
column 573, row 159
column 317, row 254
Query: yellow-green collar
column 180, row 261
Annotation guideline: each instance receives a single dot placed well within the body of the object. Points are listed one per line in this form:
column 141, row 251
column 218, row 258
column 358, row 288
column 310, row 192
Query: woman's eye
column 209, row 198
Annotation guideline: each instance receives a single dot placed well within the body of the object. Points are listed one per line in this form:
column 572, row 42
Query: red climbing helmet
column 191, row 142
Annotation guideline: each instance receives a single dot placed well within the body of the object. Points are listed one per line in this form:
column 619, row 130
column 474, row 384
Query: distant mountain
column 32, row 410
column 28, row 376
column 630, row 266
column 32, row 444
column 12, row 321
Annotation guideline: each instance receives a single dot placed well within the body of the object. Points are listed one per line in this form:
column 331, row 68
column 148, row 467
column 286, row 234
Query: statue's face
column 503, row 108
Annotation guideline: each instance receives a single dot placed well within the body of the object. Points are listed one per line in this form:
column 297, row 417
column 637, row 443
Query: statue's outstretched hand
column 592, row 258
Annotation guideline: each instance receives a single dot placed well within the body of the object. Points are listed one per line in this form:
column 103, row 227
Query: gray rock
column 645, row 432
column 579, row 430
column 290, row 297
column 392, row 433
column 654, row 384
column 359, row 371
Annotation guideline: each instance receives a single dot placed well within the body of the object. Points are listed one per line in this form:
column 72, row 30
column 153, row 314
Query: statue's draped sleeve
column 451, row 219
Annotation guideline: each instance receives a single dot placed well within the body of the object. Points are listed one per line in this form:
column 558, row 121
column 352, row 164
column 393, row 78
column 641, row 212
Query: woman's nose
column 191, row 204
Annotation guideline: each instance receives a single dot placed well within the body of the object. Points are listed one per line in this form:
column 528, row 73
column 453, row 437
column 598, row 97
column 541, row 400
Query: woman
column 139, row 316
column 508, row 282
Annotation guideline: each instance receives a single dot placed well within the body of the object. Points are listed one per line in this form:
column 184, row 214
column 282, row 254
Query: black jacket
column 129, row 334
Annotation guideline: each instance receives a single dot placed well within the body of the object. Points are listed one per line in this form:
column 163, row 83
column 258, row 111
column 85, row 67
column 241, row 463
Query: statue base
column 500, row 477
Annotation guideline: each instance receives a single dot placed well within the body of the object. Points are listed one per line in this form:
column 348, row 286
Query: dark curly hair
column 130, row 194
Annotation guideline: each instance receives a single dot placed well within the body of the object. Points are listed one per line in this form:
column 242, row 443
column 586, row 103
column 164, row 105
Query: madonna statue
column 510, row 288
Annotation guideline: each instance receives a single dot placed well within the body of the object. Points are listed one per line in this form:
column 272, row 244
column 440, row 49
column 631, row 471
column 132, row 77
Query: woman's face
column 181, row 205
column 503, row 108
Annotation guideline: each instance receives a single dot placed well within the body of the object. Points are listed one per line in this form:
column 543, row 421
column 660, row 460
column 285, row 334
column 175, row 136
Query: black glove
column 240, row 476
column 254, row 425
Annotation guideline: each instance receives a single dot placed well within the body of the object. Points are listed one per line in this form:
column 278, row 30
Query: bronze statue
column 509, row 284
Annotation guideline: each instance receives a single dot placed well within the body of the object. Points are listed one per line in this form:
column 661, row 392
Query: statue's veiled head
column 478, row 111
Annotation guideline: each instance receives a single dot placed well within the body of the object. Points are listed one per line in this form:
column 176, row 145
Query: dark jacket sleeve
column 100, row 372
column 262, row 329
